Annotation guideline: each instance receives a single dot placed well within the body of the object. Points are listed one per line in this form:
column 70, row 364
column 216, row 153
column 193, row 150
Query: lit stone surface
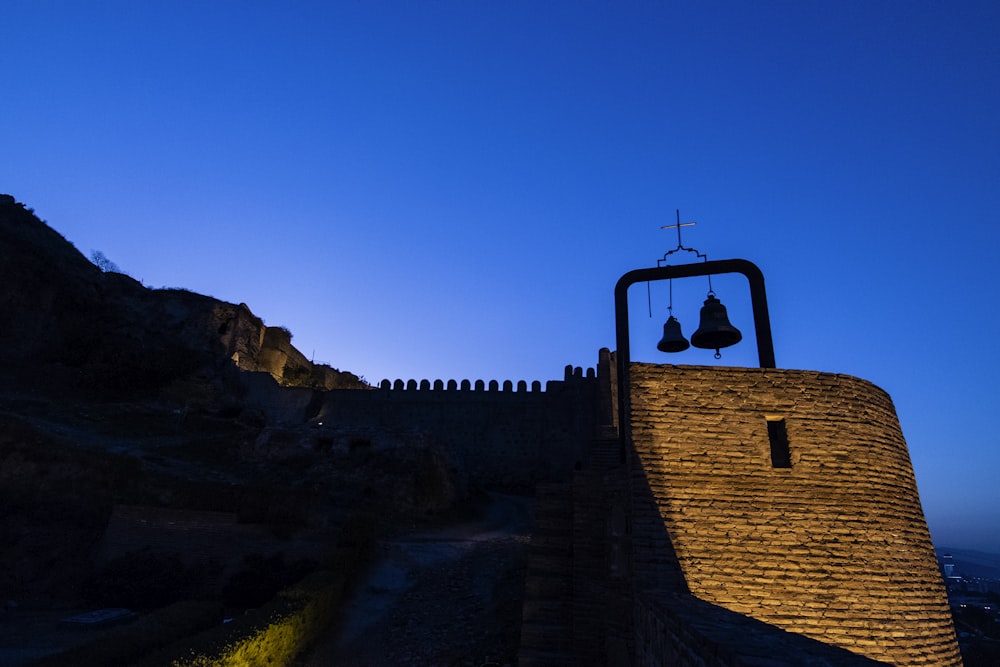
column 835, row 547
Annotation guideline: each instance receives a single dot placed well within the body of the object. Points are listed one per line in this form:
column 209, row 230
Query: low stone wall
column 194, row 534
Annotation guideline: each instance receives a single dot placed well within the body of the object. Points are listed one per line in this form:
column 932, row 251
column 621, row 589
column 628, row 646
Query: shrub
column 101, row 261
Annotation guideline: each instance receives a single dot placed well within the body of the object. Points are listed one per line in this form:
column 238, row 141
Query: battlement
column 572, row 374
column 783, row 496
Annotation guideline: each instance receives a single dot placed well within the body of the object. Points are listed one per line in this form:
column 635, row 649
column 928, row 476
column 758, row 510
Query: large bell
column 673, row 340
column 715, row 331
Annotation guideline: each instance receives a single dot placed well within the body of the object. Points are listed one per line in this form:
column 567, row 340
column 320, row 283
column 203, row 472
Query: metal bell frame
column 623, row 356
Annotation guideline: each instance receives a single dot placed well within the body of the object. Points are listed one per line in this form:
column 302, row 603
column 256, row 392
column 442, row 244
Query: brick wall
column 834, row 547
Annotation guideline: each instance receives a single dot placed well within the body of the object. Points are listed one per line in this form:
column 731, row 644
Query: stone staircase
column 547, row 614
column 605, row 449
column 565, row 617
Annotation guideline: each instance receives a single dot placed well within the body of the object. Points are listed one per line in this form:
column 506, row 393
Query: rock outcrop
column 68, row 326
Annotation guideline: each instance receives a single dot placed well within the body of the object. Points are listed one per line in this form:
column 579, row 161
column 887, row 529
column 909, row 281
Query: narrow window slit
column 781, row 456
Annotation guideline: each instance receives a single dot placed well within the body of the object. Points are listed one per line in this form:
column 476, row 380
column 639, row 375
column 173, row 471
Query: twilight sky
column 451, row 189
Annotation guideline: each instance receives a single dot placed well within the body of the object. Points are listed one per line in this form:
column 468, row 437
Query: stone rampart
column 499, row 434
column 788, row 497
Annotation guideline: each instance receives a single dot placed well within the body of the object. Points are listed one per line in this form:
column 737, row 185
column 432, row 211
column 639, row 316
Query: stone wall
column 196, row 535
column 683, row 631
column 497, row 434
column 830, row 543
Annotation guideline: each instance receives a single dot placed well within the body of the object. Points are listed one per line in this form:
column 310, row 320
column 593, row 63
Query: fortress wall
column 498, row 434
column 276, row 404
column 834, row 547
column 503, row 434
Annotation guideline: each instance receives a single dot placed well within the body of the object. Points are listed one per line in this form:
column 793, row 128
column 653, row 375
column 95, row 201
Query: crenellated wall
column 787, row 497
column 497, row 433
column 465, row 385
column 825, row 537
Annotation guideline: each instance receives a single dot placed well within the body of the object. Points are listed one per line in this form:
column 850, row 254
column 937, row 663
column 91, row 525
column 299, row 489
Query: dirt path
column 441, row 598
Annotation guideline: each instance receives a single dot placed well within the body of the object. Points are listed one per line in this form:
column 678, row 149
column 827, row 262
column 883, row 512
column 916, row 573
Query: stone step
column 545, row 586
column 605, row 454
column 547, row 515
column 606, row 432
column 539, row 657
column 551, row 638
column 547, row 612
column 552, row 523
column 552, row 557
column 552, row 538
column 549, row 564
column 551, row 489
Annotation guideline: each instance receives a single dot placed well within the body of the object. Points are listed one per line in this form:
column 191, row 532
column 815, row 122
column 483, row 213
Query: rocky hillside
column 68, row 326
column 121, row 405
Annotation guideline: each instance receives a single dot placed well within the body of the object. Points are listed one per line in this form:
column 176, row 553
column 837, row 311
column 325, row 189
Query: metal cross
column 678, row 226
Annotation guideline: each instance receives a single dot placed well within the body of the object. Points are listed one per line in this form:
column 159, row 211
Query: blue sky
column 451, row 189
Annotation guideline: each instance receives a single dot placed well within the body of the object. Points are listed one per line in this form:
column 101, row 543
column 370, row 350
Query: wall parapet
column 463, row 386
column 572, row 375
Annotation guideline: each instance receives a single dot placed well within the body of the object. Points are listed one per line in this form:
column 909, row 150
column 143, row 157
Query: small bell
column 715, row 331
column 673, row 340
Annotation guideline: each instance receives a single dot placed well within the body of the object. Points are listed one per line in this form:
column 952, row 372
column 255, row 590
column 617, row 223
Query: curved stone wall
column 834, row 547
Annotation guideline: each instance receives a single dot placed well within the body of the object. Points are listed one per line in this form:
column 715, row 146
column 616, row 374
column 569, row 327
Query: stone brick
column 835, row 547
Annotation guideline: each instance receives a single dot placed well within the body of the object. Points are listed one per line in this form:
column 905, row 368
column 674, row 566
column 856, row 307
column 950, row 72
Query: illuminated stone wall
column 834, row 547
